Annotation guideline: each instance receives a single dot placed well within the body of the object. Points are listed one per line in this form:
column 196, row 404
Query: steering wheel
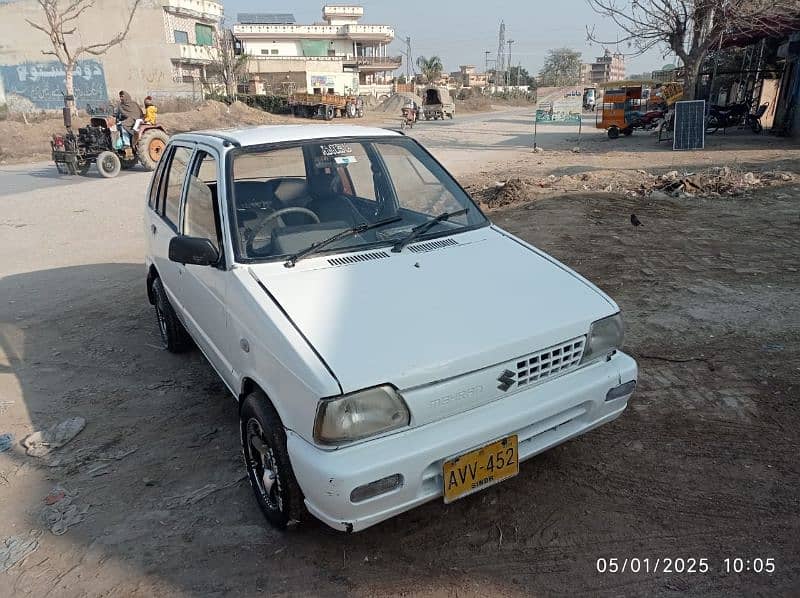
column 278, row 214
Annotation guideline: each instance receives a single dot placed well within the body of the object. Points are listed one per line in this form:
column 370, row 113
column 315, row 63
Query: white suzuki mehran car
column 387, row 343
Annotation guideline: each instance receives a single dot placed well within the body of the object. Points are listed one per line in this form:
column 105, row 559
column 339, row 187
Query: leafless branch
column 689, row 28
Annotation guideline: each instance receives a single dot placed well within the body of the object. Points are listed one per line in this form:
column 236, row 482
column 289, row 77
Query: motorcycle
column 649, row 120
column 410, row 116
column 735, row 115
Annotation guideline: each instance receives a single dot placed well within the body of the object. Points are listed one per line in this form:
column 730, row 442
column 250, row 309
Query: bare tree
column 688, row 28
column 228, row 66
column 562, row 66
column 61, row 18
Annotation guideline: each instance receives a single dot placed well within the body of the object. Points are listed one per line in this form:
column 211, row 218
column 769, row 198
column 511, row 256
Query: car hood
column 437, row 310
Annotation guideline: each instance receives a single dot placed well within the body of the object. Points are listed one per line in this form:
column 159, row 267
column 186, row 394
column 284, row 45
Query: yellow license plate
column 478, row 469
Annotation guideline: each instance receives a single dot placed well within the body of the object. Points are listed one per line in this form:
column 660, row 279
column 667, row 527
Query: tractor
column 102, row 143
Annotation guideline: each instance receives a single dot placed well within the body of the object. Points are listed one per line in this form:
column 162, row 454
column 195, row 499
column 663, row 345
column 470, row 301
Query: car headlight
column 605, row 337
column 359, row 415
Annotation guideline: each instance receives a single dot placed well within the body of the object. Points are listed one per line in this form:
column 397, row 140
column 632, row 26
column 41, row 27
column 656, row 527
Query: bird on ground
column 635, row 221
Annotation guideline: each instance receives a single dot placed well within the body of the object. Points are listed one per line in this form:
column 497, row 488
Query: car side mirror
column 193, row 250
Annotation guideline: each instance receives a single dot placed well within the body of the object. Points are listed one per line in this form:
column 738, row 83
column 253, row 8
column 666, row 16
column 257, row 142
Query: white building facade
column 340, row 55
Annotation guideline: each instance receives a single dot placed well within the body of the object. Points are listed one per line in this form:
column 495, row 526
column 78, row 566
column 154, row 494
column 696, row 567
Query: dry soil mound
column 217, row 115
column 395, row 103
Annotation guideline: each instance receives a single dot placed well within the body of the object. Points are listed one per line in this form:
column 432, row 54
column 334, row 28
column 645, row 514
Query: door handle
column 153, row 228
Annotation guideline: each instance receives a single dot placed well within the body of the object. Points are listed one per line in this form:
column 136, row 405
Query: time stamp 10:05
column 668, row 565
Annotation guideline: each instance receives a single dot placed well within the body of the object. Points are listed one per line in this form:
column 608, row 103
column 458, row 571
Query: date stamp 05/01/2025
column 669, row 565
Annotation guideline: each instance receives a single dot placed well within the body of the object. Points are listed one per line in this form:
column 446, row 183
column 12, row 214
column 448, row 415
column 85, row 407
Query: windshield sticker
column 345, row 159
column 336, row 149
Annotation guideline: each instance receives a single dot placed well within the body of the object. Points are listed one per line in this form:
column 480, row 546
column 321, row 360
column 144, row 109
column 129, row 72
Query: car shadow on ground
column 158, row 465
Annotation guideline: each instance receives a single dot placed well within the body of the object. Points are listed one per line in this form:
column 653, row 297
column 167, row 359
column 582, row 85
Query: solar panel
column 262, row 18
column 690, row 125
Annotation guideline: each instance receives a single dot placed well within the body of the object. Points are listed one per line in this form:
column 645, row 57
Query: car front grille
column 552, row 361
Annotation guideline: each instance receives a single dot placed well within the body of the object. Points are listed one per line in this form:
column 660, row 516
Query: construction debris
column 6, row 440
column 718, row 181
column 59, row 513
column 42, row 442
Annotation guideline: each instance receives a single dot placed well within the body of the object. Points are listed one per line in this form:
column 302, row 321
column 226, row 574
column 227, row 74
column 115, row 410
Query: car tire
column 173, row 335
column 267, row 462
column 613, row 132
column 108, row 164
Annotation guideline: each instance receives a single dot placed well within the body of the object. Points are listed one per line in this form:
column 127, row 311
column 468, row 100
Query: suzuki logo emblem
column 506, row 380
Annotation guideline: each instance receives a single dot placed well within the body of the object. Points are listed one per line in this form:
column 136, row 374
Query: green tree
column 431, row 68
column 520, row 76
column 562, row 66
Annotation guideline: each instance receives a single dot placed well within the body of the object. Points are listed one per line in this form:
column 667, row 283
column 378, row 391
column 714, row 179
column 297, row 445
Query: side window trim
column 175, row 226
column 194, row 168
column 154, row 190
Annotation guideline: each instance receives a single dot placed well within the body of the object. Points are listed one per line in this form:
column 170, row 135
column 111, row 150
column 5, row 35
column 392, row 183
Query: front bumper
column 541, row 417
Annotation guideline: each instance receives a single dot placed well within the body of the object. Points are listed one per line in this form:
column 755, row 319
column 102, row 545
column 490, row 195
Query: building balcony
column 194, row 54
column 375, row 33
column 202, row 10
column 286, row 57
column 375, row 63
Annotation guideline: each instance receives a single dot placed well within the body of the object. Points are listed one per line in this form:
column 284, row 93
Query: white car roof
column 266, row 134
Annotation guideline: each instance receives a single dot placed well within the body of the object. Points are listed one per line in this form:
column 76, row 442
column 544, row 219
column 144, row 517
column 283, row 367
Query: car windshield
column 288, row 198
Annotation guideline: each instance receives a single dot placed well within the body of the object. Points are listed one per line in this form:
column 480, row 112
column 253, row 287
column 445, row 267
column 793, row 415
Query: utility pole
column 508, row 77
column 499, row 66
column 407, row 54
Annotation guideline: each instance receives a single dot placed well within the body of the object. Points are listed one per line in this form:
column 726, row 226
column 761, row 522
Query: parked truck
column 327, row 106
column 437, row 103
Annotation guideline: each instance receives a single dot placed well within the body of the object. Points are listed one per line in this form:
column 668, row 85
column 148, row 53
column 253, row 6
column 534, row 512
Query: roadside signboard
column 559, row 106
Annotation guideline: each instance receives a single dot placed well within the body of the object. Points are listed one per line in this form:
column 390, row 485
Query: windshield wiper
column 423, row 228
column 314, row 247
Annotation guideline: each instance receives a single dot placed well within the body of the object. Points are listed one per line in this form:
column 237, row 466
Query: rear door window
column 174, row 187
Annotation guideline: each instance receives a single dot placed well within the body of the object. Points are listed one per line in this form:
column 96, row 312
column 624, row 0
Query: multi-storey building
column 168, row 47
column 468, row 76
column 340, row 54
column 609, row 67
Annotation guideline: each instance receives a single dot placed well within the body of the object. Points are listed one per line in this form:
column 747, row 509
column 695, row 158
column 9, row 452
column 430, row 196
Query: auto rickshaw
column 620, row 110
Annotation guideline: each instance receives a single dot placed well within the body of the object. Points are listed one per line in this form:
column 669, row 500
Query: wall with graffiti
column 40, row 85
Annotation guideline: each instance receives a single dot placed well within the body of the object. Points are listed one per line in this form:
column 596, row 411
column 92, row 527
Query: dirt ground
column 703, row 464
column 25, row 142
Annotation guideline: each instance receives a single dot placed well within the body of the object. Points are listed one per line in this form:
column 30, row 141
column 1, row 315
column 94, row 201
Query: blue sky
column 459, row 32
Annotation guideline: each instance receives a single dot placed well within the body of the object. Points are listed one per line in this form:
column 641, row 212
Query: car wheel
column 267, row 462
column 173, row 334
column 613, row 132
column 108, row 164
